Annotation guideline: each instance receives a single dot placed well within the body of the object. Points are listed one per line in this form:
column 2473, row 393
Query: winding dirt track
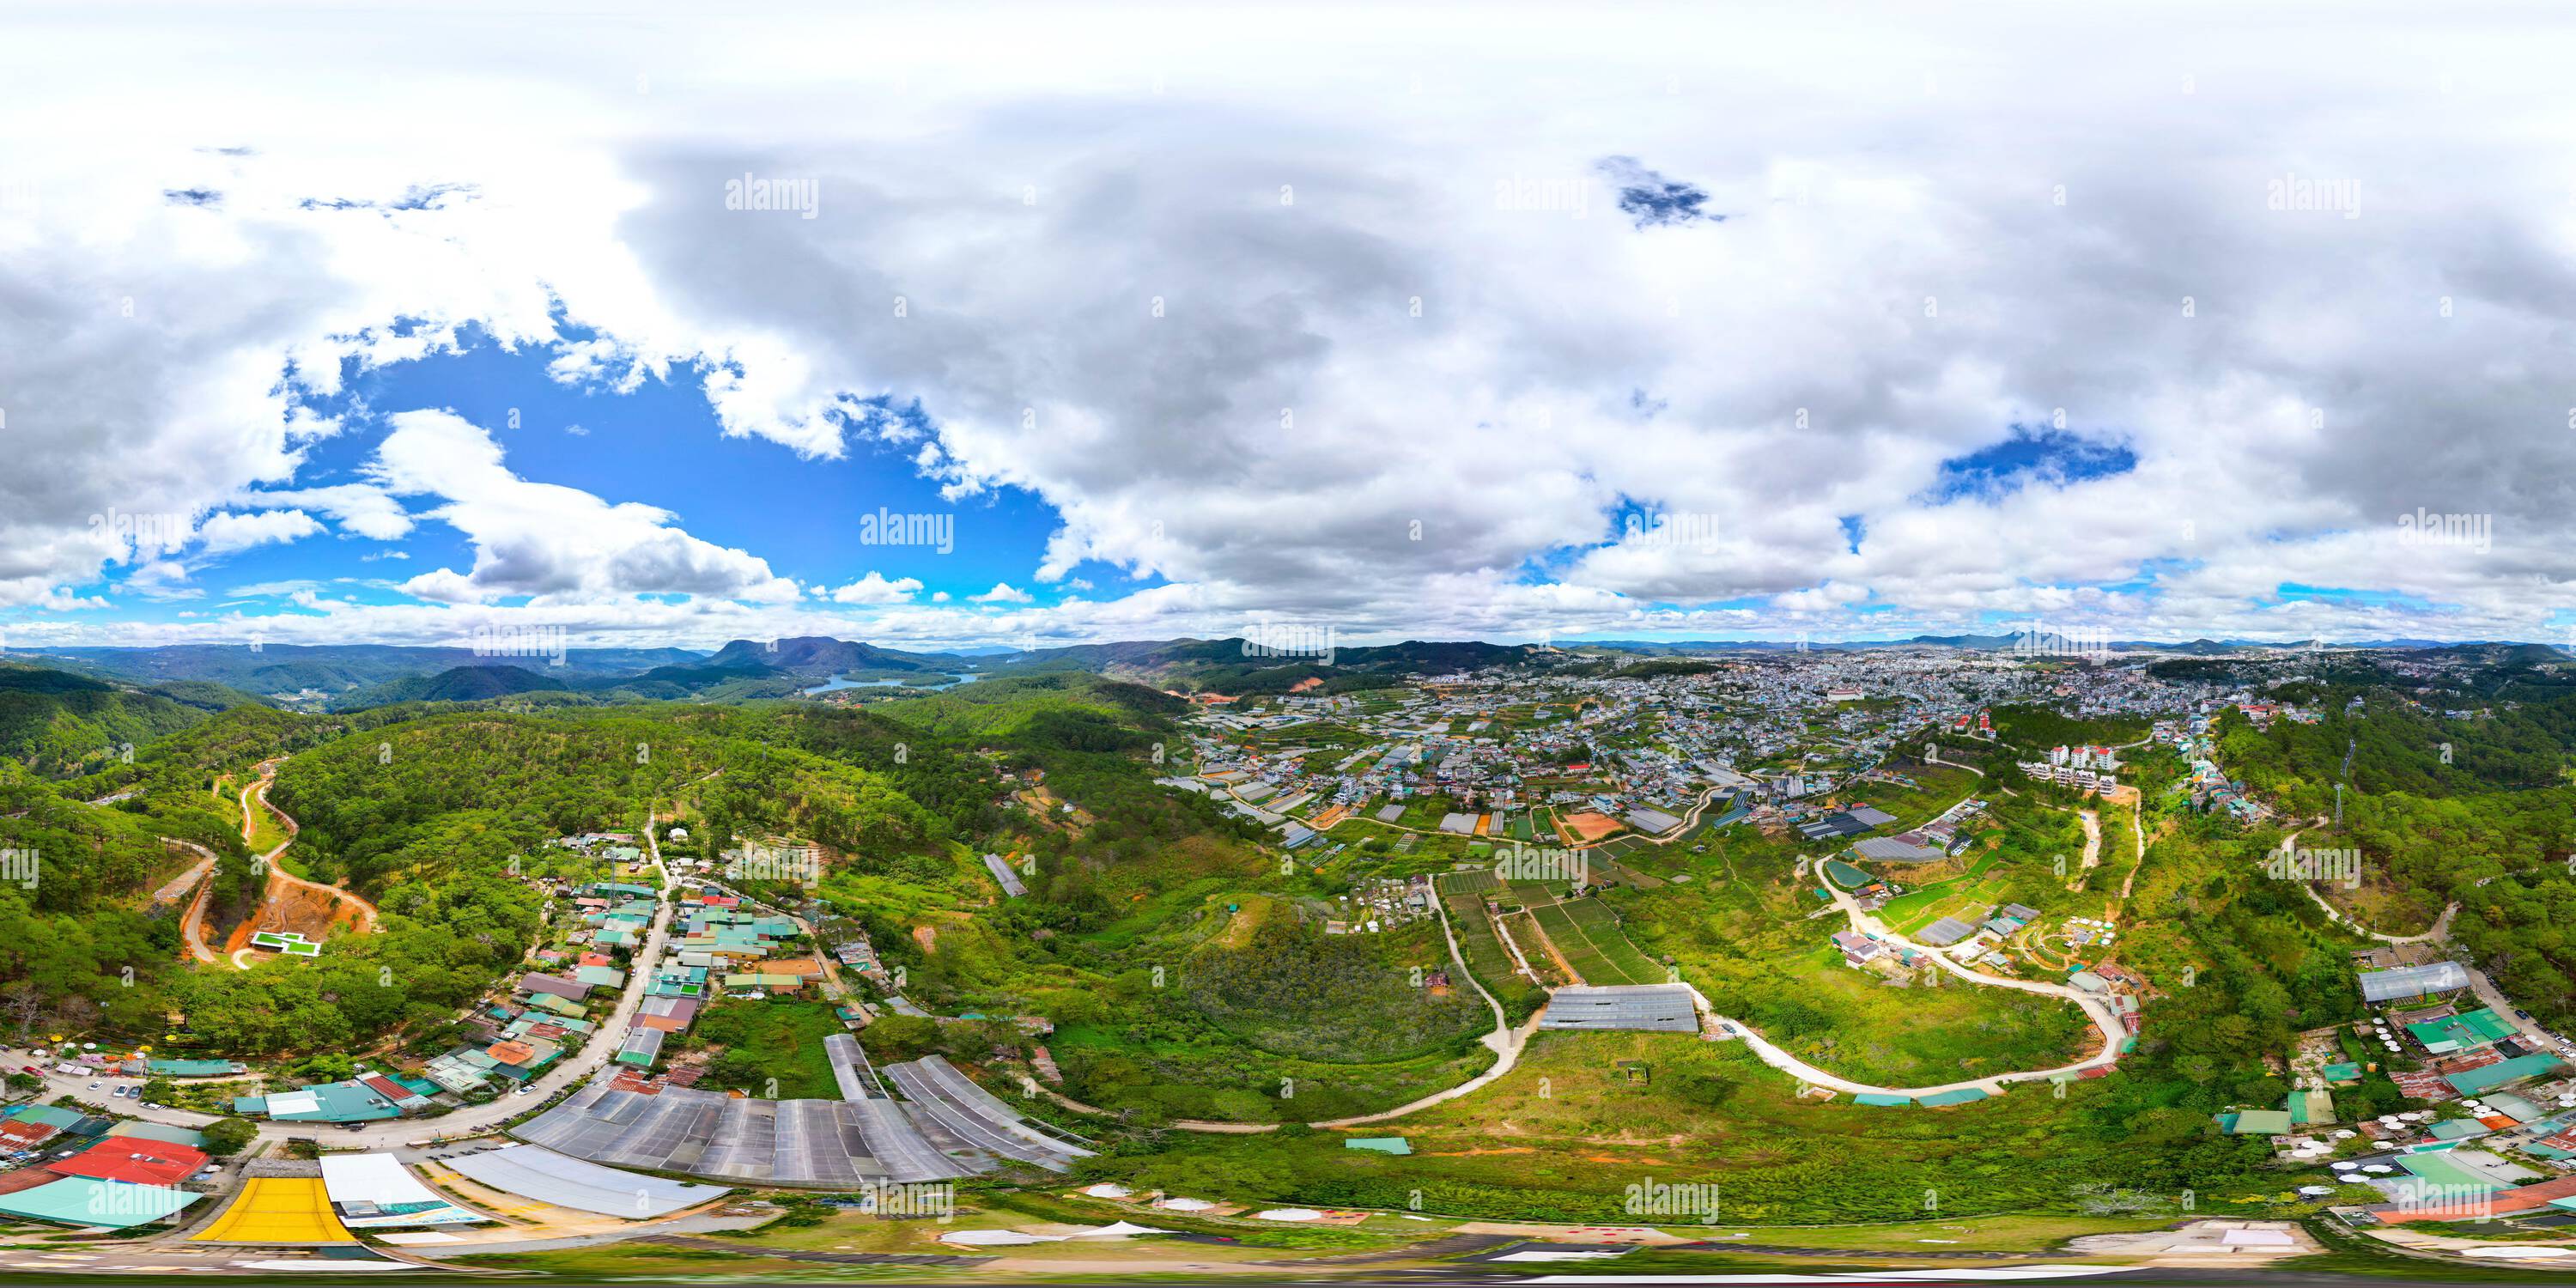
column 289, row 900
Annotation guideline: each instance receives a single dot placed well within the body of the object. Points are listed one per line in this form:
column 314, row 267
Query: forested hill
column 56, row 722
column 471, row 788
column 2399, row 746
column 2478, row 811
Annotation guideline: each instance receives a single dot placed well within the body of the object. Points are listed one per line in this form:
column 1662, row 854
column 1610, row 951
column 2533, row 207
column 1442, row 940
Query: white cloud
column 229, row 532
column 875, row 589
column 275, row 589
column 1002, row 593
column 1269, row 324
column 359, row 508
column 543, row 540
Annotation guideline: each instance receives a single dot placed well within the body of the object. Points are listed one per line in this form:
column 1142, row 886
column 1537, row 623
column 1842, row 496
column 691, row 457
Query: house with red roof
column 135, row 1159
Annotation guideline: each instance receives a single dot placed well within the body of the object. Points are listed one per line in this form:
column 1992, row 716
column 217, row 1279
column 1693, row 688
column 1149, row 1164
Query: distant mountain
column 2500, row 654
column 1234, row 665
column 460, row 684
column 290, row 670
column 58, row 721
column 822, row 657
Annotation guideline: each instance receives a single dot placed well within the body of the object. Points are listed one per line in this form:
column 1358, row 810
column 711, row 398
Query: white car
column 93, row 1086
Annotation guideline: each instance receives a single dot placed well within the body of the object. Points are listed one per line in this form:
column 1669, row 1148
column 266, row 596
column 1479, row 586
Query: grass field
column 772, row 1039
column 1564, row 1133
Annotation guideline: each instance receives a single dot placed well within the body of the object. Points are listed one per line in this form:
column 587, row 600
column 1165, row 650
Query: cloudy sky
column 956, row 324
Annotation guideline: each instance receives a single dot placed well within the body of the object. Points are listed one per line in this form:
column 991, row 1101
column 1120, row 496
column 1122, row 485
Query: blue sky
column 660, row 445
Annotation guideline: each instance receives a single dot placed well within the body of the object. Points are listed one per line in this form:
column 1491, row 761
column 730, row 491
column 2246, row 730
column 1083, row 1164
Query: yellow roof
column 278, row 1210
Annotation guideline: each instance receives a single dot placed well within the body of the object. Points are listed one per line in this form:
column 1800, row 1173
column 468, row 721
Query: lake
column 837, row 683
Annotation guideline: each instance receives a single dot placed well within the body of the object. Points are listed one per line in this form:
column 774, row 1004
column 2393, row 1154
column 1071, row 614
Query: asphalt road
column 472, row 1120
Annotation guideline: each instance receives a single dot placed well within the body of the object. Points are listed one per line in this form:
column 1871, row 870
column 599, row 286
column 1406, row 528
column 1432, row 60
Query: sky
column 967, row 324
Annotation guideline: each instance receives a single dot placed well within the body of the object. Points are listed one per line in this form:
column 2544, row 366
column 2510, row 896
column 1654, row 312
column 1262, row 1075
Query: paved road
column 186, row 881
column 472, row 1120
column 2114, row 1032
column 1505, row 1041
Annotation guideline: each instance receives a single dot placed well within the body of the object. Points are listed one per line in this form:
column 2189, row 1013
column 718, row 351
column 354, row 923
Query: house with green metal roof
column 2256, row 1122
column 1943, row 1099
column 194, row 1068
column 1380, row 1144
column 91, row 1203
column 162, row 1132
column 54, row 1116
column 2473, row 1031
column 2503, row 1073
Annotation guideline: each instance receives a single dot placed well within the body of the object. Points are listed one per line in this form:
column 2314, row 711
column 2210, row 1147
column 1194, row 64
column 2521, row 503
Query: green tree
column 225, row 1137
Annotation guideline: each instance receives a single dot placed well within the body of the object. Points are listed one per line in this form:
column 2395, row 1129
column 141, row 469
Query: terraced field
column 1485, row 954
column 1577, row 949
column 1602, row 930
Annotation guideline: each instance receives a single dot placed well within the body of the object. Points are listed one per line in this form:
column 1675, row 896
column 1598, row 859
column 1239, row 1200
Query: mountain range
column 346, row 677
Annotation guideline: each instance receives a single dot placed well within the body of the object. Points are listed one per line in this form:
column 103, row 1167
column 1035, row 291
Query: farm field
column 1573, row 946
column 1602, row 930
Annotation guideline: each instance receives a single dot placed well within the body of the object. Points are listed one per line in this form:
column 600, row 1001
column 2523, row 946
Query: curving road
column 472, row 1120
